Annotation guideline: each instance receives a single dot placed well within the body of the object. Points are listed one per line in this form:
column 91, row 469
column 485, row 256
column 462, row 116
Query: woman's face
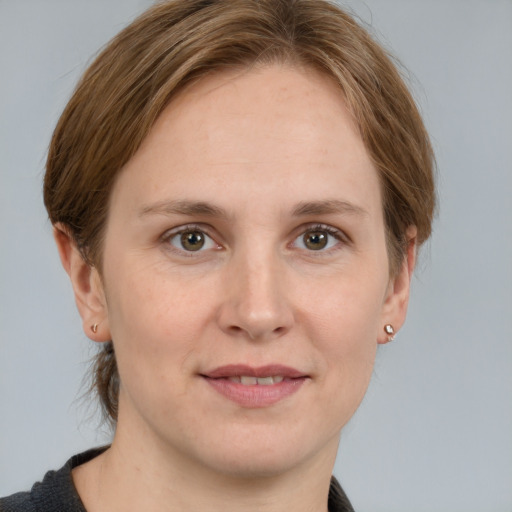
column 245, row 274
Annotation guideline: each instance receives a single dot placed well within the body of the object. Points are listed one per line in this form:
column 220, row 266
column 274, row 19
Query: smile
column 251, row 387
column 248, row 380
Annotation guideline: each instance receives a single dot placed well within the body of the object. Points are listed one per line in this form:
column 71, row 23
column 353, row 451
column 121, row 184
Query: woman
column 238, row 191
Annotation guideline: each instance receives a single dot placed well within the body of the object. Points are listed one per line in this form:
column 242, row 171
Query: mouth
column 248, row 380
column 252, row 387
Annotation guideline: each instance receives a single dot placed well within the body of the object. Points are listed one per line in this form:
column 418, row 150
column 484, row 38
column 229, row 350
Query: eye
column 191, row 240
column 318, row 238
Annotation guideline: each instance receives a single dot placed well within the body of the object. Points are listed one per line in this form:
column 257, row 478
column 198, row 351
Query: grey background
column 435, row 430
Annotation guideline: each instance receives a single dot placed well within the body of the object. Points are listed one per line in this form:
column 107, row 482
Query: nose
column 256, row 301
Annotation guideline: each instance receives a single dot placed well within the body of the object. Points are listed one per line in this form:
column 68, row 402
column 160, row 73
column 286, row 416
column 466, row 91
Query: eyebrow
column 184, row 208
column 331, row 206
column 202, row 208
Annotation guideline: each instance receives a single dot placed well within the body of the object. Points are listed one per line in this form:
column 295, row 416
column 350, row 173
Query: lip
column 255, row 396
column 234, row 370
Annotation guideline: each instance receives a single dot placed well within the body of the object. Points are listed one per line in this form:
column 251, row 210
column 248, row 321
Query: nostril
column 255, row 319
column 254, row 333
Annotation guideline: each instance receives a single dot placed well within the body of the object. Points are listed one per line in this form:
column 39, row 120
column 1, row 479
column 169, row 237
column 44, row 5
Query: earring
column 390, row 331
column 94, row 328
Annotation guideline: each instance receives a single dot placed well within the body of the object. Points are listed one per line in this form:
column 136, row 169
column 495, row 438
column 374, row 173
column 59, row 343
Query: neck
column 146, row 476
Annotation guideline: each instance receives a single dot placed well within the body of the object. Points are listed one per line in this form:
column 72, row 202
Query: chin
column 256, row 455
column 255, row 466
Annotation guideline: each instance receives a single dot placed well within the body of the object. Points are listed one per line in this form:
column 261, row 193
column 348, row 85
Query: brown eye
column 315, row 240
column 192, row 240
column 189, row 240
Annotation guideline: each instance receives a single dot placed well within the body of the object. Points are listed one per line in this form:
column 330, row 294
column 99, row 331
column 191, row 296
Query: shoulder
column 19, row 502
column 55, row 493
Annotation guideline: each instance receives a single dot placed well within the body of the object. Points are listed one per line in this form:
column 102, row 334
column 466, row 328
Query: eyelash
column 168, row 237
column 338, row 235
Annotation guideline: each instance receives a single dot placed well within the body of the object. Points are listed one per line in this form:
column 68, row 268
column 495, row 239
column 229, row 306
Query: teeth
column 265, row 381
column 260, row 381
column 248, row 381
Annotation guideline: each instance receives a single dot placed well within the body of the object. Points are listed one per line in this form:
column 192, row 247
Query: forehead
column 277, row 101
column 263, row 130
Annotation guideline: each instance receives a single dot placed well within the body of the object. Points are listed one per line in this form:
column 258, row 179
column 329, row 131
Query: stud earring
column 94, row 328
column 390, row 331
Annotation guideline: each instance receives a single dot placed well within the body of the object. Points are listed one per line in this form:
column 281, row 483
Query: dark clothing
column 57, row 493
column 338, row 501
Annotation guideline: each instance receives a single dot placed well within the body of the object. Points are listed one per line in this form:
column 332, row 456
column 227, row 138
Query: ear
column 395, row 304
column 87, row 286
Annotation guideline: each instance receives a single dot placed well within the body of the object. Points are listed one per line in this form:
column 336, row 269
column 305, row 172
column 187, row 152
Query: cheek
column 347, row 317
column 149, row 297
column 348, row 343
column 155, row 341
column 150, row 320
column 346, row 310
column 160, row 322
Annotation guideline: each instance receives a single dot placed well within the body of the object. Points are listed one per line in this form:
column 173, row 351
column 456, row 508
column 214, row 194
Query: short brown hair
column 176, row 42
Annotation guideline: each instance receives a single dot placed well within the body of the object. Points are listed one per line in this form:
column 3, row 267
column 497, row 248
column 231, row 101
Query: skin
column 256, row 146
